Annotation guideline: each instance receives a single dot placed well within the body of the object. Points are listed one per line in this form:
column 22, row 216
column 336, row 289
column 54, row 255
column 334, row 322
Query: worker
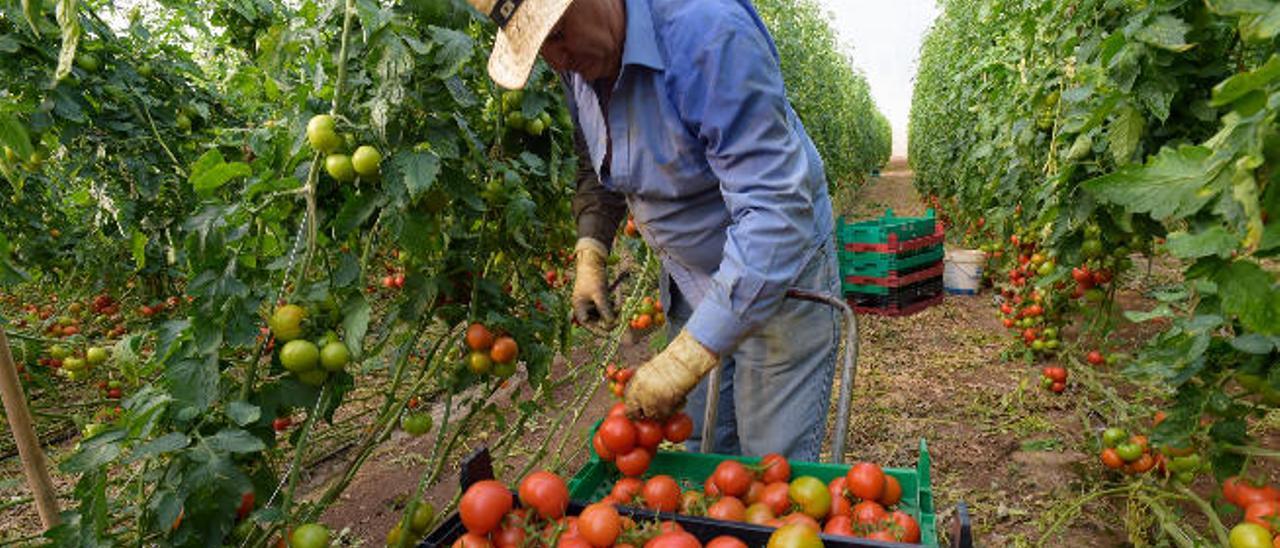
column 684, row 119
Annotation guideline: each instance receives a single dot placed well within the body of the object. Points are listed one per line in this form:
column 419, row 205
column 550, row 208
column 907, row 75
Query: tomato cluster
column 310, row 362
column 491, row 353
column 617, row 378
column 1261, row 505
column 363, row 163
column 648, row 315
column 1054, row 378
column 630, row 445
column 856, row 504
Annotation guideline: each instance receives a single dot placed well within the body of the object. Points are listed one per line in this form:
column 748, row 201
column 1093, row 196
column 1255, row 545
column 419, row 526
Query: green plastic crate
column 877, row 231
column 880, row 265
column 594, row 481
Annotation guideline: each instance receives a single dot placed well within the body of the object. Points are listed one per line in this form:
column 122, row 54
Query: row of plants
column 285, row 221
column 831, row 97
column 1073, row 139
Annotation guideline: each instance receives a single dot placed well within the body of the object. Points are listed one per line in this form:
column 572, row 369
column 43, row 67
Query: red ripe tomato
column 483, row 506
column 839, row 525
column 661, row 493
column 1058, row 374
column 509, row 535
column 674, row 539
column 572, row 541
column 648, row 433
column 246, row 505
column 600, row 525
column 1231, row 490
column 597, row 443
column 837, row 488
column 728, row 509
column 865, row 480
column 868, row 513
column 1058, row 387
column 618, row 434
column 633, row 463
column 754, row 492
column 732, row 478
column 777, row 497
column 709, row 487
column 840, row 506
column 801, row 519
column 724, row 541
column 775, row 468
column 881, row 535
column 892, row 491
column 669, row 527
column 908, row 529
column 546, row 493
column 678, row 428
column 626, row 489
column 281, row 423
column 1248, row 494
column 618, row 410
column 472, row 540
column 1265, row 513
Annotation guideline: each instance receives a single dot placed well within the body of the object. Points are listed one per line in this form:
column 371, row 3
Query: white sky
column 884, row 36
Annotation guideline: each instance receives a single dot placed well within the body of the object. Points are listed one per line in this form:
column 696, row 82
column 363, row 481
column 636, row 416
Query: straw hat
column 522, row 27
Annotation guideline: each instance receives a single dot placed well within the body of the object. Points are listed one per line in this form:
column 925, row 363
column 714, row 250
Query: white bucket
column 963, row 272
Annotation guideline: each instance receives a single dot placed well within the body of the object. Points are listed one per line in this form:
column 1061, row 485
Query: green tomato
column 479, row 362
column 812, row 495
column 88, row 62
column 1248, row 381
column 1052, row 345
column 314, row 377
column 322, row 133
column 1129, row 451
column 58, row 352
column 96, row 355
column 416, row 424
column 1046, row 269
column 182, row 122
column 339, row 167
column 92, row 429
column 1189, row 463
column 311, row 535
column 74, row 364
column 1050, row 333
column 535, row 127
column 423, row 515
column 1091, row 248
column 515, row 120
column 366, row 160
column 1037, row 345
column 1112, row 437
column 334, row 356
column 145, row 70
column 1185, row 478
column 1250, row 535
column 286, row 322
column 504, row 370
column 300, row 356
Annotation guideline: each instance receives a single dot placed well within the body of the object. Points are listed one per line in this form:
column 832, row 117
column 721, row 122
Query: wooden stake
column 24, row 435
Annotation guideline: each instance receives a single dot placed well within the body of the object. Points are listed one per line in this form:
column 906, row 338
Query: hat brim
column 516, row 48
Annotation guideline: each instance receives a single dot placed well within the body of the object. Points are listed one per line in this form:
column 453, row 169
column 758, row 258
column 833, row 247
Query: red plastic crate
column 896, row 246
column 894, row 280
column 895, row 311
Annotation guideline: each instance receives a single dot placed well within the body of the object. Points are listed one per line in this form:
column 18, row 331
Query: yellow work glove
column 590, row 297
column 659, row 387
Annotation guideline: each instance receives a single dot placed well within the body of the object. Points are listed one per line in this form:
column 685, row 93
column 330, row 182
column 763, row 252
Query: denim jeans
column 775, row 387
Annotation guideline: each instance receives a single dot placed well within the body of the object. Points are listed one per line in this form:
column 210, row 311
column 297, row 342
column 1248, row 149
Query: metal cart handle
column 846, row 377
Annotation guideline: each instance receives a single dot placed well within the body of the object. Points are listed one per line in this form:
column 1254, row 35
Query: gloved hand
column 590, row 297
column 659, row 387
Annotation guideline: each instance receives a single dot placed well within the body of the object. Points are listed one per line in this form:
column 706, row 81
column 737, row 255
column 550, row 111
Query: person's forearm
column 597, row 211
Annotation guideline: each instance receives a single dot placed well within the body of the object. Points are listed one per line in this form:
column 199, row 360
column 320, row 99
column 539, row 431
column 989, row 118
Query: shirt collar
column 641, row 46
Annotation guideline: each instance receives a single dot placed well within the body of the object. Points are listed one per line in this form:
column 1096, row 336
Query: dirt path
column 1007, row 449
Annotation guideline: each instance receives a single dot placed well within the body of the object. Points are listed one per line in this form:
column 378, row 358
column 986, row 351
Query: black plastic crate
column 899, row 297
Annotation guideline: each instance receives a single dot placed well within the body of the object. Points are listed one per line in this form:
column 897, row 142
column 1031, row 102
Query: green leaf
column 243, row 413
column 1245, row 83
column 138, row 246
column 235, row 441
column 193, row 382
column 454, row 51
column 211, row 171
column 1213, row 241
column 14, row 135
column 419, row 170
column 31, row 10
column 90, row 457
column 1161, row 311
column 356, row 211
column 372, row 16
column 167, row 443
column 1249, row 292
column 1173, row 185
column 1124, row 134
column 1166, row 32
column 355, row 323
column 1253, row 343
column 69, row 25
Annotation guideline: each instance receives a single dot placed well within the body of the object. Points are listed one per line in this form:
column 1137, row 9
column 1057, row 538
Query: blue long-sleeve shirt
column 718, row 171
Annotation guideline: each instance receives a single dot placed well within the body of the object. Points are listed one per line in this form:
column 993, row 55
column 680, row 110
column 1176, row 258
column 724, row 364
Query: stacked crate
column 892, row 266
